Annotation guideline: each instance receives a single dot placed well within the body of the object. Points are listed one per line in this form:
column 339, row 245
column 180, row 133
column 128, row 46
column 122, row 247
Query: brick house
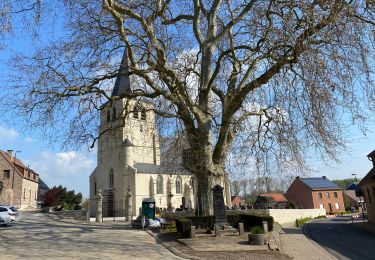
column 18, row 183
column 237, row 201
column 315, row 193
column 368, row 187
column 275, row 200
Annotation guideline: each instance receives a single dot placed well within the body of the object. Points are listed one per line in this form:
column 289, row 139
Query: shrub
column 302, row 221
column 250, row 220
column 203, row 222
column 257, row 230
column 183, row 226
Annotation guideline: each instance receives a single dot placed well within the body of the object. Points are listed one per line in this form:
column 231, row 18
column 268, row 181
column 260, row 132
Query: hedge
column 183, row 226
column 208, row 222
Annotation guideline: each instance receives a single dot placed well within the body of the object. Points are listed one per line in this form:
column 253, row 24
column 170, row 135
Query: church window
column 95, row 188
column 178, row 185
column 108, row 116
column 143, row 114
column 113, row 113
column 111, row 179
column 159, row 185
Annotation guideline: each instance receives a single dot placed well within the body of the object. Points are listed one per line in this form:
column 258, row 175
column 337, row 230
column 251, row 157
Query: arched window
column 111, row 179
column 143, row 114
column 178, row 185
column 108, row 116
column 159, row 185
column 113, row 113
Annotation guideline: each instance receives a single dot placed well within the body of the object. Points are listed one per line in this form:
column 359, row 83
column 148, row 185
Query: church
column 130, row 161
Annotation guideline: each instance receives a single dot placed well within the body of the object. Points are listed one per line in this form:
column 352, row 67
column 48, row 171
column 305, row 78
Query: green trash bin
column 148, row 208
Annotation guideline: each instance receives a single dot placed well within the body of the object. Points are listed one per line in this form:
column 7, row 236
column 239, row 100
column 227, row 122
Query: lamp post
column 355, row 176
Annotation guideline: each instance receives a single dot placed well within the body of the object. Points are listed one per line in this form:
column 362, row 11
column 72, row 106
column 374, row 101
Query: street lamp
column 355, row 176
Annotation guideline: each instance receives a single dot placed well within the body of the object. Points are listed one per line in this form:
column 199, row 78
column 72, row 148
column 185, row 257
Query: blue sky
column 72, row 168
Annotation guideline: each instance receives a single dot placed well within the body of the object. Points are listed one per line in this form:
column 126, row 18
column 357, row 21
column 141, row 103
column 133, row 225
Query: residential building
column 18, row 183
column 42, row 189
column 237, row 202
column 273, row 200
column 129, row 157
column 368, row 186
column 315, row 193
column 353, row 196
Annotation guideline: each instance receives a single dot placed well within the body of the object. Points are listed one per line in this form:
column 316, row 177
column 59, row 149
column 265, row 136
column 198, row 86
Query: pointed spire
column 122, row 84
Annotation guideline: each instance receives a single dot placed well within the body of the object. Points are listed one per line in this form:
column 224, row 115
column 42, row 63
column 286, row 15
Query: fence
column 112, row 210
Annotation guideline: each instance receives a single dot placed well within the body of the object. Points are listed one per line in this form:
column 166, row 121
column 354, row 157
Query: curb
column 171, row 248
column 304, row 231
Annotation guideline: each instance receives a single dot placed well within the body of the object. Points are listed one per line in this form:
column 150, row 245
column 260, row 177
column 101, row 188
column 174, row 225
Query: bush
column 203, row 222
column 250, row 220
column 183, row 226
column 77, row 207
column 257, row 230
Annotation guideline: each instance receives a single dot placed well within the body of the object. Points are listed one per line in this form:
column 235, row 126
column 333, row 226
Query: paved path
column 39, row 236
column 295, row 244
column 342, row 239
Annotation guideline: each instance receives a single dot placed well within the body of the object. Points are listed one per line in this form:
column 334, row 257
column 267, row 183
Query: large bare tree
column 283, row 79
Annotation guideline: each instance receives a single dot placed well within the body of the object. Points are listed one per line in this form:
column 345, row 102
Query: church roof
column 122, row 84
column 160, row 169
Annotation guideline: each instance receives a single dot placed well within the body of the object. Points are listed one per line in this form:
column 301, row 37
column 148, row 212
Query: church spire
column 122, row 84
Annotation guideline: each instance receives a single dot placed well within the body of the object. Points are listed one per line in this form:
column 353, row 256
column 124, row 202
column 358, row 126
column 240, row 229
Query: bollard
column 241, row 229
column 265, row 227
column 218, row 231
column 192, row 232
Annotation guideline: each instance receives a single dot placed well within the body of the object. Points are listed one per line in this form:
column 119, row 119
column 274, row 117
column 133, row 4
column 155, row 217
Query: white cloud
column 70, row 169
column 28, row 140
column 7, row 133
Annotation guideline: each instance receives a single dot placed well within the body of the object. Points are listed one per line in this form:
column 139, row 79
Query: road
column 40, row 236
column 341, row 238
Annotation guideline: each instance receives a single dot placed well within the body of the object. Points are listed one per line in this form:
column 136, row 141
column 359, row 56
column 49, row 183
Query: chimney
column 10, row 153
column 324, row 177
column 371, row 157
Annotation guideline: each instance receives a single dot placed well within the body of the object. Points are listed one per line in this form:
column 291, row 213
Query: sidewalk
column 295, row 244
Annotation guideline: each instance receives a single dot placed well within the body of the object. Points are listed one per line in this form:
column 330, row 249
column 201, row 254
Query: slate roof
column 354, row 186
column 43, row 185
column 160, row 169
column 122, row 84
column 320, row 183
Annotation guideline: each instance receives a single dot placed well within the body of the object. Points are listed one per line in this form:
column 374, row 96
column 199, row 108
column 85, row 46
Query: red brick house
column 315, row 193
column 368, row 187
column 237, row 201
column 18, row 183
column 278, row 199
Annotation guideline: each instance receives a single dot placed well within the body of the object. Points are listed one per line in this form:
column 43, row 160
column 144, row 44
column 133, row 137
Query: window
column 337, row 206
column 95, row 188
column 328, row 196
column 108, row 116
column 320, row 195
column 24, row 193
column 28, row 175
column 143, row 114
column 35, row 195
column 321, row 206
column 113, row 113
column 159, row 185
column 111, row 179
column 335, row 194
column 178, row 185
column 6, row 174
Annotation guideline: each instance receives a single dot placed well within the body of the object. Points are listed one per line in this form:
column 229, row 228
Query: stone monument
column 99, row 206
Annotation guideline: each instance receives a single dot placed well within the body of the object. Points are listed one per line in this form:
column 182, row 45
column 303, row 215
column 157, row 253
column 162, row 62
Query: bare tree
column 275, row 78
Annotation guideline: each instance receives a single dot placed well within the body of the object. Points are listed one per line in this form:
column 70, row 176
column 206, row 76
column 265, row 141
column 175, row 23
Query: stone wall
column 287, row 217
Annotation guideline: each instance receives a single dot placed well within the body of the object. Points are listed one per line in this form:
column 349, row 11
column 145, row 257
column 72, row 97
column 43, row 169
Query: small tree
column 60, row 198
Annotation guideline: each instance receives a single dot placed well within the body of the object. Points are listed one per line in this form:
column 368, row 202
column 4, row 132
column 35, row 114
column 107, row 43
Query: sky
column 71, row 168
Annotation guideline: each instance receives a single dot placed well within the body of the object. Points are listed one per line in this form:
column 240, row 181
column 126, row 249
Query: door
column 330, row 207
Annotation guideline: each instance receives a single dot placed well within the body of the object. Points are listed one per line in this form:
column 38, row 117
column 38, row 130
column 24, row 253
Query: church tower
column 128, row 135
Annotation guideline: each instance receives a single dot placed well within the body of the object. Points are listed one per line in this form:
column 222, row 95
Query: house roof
column 372, row 154
column 277, row 197
column 320, row 183
column 43, row 185
column 354, row 186
column 160, row 169
column 369, row 178
column 17, row 164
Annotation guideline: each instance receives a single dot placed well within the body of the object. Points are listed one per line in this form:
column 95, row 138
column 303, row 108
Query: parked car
column 4, row 218
column 12, row 212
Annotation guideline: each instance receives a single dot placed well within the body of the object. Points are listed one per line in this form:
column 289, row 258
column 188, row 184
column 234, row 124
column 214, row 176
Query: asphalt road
column 341, row 238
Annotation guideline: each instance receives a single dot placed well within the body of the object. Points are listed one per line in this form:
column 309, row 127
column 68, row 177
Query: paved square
column 40, row 236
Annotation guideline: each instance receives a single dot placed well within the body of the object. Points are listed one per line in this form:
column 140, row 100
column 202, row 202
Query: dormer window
column 108, row 116
column 135, row 112
column 113, row 113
